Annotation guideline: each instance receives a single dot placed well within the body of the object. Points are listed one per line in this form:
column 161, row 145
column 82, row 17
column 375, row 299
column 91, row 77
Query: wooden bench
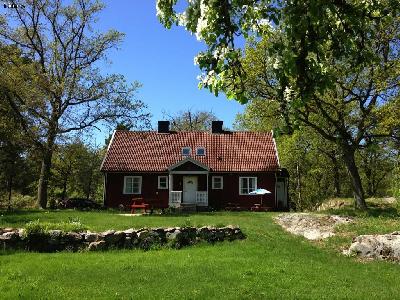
column 258, row 207
column 232, row 207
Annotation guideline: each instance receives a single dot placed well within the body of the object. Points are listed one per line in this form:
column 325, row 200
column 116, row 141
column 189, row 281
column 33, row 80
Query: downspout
column 279, row 165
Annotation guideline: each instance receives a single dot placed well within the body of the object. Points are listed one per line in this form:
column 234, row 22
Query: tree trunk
column 336, row 176
column 89, row 188
column 64, row 190
column 348, row 157
column 368, row 175
column 298, row 187
column 44, row 179
column 10, row 184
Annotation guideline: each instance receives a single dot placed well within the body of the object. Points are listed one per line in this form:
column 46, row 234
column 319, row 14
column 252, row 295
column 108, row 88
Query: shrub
column 19, row 201
column 37, row 227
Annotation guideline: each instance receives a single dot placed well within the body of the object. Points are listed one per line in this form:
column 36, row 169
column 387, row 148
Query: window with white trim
column 186, row 151
column 132, row 184
column 201, row 151
column 247, row 185
column 162, row 182
column 217, row 182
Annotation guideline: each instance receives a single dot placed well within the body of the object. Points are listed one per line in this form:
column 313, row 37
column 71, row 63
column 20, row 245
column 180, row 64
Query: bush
column 18, row 201
column 37, row 227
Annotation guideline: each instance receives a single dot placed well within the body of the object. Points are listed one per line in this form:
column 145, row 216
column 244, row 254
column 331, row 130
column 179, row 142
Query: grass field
column 269, row 264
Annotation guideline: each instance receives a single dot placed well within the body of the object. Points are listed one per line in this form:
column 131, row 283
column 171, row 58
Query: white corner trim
column 108, row 148
column 276, row 149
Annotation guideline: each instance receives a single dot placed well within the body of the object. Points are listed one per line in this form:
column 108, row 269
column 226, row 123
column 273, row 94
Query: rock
column 73, row 237
column 173, row 235
column 171, row 229
column 91, row 237
column 311, row 226
column 130, row 232
column 115, row 239
column 383, row 247
column 108, row 232
column 97, row 246
column 54, row 236
column 148, row 239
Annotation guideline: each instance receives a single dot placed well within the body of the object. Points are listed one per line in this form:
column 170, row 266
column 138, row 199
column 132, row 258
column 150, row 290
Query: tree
column 71, row 93
column 16, row 167
column 329, row 65
column 65, row 165
column 305, row 154
column 189, row 120
column 76, row 170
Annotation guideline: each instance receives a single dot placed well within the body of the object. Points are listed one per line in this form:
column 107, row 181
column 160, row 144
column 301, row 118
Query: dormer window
column 201, row 151
column 186, row 151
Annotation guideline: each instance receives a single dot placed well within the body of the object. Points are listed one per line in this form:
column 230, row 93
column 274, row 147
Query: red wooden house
column 216, row 169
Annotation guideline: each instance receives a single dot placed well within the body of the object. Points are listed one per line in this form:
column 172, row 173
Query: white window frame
column 213, row 183
column 125, row 186
column 190, row 151
column 240, row 184
column 204, row 149
column 166, row 183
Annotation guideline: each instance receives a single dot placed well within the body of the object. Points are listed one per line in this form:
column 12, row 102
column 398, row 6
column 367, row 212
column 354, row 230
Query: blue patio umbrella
column 260, row 192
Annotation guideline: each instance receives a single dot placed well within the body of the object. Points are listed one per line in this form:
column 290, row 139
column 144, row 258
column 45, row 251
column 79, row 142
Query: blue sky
column 162, row 60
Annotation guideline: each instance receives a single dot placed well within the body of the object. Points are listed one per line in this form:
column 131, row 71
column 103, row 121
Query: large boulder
column 383, row 247
column 311, row 226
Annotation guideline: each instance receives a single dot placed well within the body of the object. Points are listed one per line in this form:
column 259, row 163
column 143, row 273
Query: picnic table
column 139, row 203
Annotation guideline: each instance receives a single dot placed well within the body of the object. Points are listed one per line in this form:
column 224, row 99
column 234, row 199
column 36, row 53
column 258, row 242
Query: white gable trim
column 188, row 159
column 108, row 148
column 276, row 149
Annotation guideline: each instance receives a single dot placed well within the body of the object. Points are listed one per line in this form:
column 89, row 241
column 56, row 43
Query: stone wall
column 144, row 238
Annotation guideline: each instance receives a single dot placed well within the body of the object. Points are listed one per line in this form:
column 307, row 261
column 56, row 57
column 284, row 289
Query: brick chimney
column 216, row 127
column 163, row 126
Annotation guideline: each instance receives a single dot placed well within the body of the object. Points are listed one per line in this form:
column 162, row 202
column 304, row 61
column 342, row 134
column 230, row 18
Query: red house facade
column 216, row 169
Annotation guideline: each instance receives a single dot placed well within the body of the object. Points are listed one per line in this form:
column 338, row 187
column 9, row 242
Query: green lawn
column 268, row 264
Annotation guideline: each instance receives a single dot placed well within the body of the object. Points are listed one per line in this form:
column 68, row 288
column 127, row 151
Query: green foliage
column 53, row 82
column 76, row 171
column 38, row 227
column 18, row 201
column 189, row 120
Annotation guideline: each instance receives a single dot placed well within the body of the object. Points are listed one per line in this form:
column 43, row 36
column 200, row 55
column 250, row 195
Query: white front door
column 189, row 189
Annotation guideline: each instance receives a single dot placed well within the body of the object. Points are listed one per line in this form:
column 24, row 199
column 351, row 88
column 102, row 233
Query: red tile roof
column 132, row 151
